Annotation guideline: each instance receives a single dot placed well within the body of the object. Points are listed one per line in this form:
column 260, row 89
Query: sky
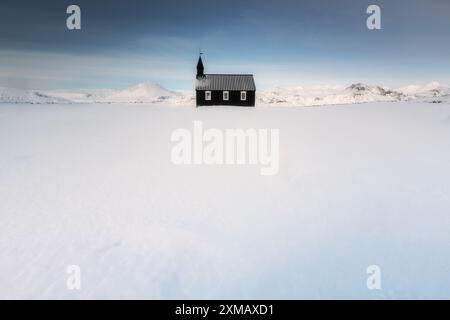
column 281, row 42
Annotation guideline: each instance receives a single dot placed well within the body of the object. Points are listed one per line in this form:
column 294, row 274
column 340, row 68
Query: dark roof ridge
column 228, row 74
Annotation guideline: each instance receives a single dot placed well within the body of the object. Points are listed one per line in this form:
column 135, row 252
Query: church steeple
column 200, row 68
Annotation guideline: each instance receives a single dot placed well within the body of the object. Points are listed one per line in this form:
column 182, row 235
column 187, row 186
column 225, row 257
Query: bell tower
column 200, row 68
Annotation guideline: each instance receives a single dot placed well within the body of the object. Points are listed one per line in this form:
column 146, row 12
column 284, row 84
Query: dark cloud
column 238, row 32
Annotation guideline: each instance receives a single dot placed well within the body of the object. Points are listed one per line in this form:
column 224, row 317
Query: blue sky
column 281, row 42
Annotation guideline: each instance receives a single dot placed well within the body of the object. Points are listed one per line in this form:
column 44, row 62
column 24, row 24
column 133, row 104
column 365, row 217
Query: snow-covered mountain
column 82, row 95
column 146, row 92
column 151, row 93
column 142, row 92
column 328, row 95
column 433, row 92
column 12, row 95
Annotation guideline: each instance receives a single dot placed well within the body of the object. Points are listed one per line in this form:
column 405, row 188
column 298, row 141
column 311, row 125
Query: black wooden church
column 224, row 89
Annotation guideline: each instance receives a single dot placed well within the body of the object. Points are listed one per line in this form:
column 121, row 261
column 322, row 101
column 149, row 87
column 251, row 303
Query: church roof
column 227, row 82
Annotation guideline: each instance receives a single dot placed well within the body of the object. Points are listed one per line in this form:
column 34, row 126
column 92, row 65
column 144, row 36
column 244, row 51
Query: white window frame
column 243, row 95
column 227, row 94
column 208, row 95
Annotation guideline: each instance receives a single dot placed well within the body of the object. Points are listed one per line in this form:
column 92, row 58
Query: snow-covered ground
column 93, row 185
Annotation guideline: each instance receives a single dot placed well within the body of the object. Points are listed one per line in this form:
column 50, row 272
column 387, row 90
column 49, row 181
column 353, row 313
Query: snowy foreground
column 93, row 185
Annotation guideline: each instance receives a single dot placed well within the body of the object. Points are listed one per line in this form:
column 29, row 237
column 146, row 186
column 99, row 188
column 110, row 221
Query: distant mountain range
column 355, row 93
column 151, row 93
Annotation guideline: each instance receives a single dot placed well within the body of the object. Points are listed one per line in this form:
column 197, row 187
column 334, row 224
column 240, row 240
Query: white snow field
column 93, row 185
